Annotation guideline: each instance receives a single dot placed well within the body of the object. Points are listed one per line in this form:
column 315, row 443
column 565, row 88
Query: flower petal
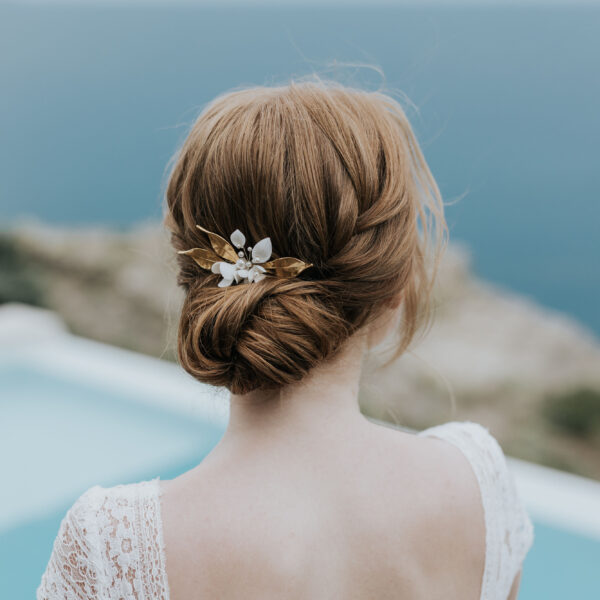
column 216, row 268
column 242, row 272
column 225, row 282
column 238, row 239
column 227, row 270
column 259, row 277
column 262, row 251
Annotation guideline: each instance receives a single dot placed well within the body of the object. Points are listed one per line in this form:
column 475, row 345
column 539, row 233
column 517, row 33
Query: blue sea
column 95, row 99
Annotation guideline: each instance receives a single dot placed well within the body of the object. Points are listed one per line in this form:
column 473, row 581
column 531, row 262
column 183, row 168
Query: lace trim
column 158, row 494
column 509, row 530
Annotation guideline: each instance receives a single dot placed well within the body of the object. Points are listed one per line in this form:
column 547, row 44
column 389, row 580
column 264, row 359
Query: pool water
column 561, row 564
column 66, row 445
column 60, row 436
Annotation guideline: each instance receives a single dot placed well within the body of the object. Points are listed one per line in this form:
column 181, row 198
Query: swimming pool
column 74, row 413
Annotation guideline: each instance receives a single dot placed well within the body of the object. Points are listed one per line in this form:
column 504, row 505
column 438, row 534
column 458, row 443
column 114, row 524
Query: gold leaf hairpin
column 243, row 266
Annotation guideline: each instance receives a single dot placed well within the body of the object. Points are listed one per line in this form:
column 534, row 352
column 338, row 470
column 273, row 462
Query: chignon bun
column 335, row 177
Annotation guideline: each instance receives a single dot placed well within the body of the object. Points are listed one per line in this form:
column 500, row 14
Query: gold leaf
column 286, row 266
column 204, row 258
column 220, row 245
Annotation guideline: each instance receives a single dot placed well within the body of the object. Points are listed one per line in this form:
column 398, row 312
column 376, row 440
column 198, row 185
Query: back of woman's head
column 334, row 176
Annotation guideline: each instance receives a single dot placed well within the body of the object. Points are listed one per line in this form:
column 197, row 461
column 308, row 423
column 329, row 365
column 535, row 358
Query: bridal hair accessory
column 243, row 266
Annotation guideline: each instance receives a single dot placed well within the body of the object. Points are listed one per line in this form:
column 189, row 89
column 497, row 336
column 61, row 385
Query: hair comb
column 248, row 265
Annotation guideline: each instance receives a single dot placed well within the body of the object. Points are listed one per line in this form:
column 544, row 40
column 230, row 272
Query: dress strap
column 509, row 530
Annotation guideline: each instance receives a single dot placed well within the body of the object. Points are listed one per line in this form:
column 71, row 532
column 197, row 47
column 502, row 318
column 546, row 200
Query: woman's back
column 367, row 516
column 385, row 515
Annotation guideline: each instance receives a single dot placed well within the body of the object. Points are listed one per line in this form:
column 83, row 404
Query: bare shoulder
column 437, row 462
column 445, row 497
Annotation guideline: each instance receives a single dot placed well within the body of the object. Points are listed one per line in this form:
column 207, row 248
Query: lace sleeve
column 132, row 546
column 509, row 530
column 109, row 547
column 70, row 573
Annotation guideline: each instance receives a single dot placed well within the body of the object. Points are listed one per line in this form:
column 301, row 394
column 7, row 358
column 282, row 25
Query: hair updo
column 335, row 177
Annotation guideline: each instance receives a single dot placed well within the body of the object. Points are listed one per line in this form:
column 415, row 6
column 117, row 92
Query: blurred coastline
column 529, row 373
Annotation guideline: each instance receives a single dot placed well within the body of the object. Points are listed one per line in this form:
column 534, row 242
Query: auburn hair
column 335, row 177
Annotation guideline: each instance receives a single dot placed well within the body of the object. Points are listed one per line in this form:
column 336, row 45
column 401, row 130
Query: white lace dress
column 110, row 544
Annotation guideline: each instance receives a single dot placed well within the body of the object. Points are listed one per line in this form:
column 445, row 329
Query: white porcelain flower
column 227, row 270
column 238, row 239
column 261, row 253
column 254, row 273
column 244, row 270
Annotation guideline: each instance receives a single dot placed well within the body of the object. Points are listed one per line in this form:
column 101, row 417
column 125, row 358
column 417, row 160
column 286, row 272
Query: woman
column 308, row 226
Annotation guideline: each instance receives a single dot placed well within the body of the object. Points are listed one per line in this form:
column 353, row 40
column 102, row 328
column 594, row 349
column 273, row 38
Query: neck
column 326, row 399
